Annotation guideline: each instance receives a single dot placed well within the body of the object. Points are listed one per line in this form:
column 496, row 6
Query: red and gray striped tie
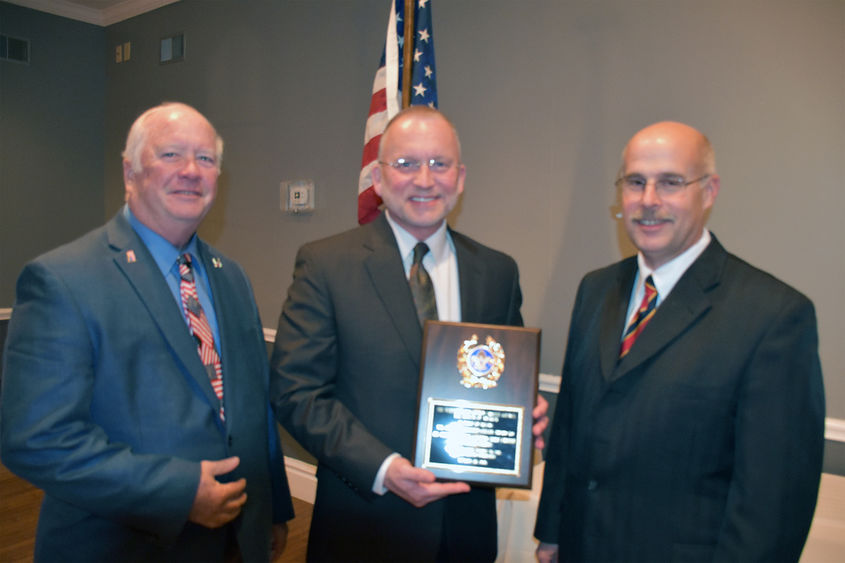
column 200, row 327
column 644, row 314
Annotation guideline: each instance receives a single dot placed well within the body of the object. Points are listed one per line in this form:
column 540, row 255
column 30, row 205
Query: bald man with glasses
column 347, row 357
column 690, row 420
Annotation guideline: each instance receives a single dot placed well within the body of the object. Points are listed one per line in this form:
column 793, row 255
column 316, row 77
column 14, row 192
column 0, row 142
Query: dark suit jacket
column 107, row 407
column 705, row 442
column 346, row 369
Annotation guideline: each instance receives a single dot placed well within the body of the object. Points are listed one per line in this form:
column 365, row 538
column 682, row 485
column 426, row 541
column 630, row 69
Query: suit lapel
column 384, row 266
column 470, row 281
column 137, row 264
column 687, row 302
column 614, row 310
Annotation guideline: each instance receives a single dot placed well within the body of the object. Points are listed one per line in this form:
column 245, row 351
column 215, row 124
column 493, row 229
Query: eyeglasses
column 666, row 184
column 410, row 165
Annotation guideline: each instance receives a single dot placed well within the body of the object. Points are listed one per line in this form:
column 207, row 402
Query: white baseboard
column 302, row 479
column 549, row 383
column 834, row 429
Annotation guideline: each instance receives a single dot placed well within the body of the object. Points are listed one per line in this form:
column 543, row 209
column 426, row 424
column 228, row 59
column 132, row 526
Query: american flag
column 386, row 100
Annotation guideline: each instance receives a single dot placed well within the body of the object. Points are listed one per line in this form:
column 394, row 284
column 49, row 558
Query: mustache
column 651, row 215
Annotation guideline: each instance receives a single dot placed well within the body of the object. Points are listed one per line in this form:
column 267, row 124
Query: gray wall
column 545, row 94
column 51, row 138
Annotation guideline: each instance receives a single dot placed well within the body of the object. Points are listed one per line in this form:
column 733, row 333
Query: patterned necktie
column 644, row 314
column 421, row 287
column 200, row 328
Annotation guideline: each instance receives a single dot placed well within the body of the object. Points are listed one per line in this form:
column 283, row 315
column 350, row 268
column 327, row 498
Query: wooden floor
column 19, row 503
column 297, row 532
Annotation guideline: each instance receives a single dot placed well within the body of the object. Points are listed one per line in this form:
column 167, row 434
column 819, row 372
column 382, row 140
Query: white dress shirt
column 441, row 263
column 665, row 277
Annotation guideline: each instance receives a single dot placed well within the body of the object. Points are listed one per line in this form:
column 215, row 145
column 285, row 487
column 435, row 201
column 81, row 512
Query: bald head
column 411, row 116
column 681, row 138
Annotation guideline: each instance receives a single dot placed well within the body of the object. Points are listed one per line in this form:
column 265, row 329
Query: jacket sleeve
column 304, row 372
column 547, row 525
column 779, row 442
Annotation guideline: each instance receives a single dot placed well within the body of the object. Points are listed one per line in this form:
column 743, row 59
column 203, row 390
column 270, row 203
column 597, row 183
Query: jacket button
column 592, row 485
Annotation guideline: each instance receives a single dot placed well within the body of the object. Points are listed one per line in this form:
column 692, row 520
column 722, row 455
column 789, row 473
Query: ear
column 128, row 173
column 711, row 190
column 462, row 174
column 375, row 173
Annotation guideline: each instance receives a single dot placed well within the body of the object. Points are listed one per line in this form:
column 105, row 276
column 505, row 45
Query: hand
column 541, row 421
column 217, row 503
column 547, row 552
column 417, row 486
column 278, row 540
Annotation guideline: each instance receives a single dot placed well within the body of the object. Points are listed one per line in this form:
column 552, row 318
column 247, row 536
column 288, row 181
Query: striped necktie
column 421, row 286
column 644, row 315
column 200, row 327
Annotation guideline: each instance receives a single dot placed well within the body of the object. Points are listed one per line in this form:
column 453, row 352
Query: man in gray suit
column 690, row 420
column 347, row 359
column 136, row 375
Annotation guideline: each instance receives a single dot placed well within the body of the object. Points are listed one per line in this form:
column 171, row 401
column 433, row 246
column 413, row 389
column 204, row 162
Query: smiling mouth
column 423, row 199
column 650, row 219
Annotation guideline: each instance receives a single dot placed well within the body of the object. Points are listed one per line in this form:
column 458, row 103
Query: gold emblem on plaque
column 480, row 365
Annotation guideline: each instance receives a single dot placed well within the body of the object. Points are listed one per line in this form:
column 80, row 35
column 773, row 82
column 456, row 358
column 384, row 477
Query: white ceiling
column 97, row 12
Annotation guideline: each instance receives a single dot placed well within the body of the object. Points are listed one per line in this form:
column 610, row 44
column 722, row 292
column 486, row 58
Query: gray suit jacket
column 705, row 442
column 346, row 369
column 107, row 407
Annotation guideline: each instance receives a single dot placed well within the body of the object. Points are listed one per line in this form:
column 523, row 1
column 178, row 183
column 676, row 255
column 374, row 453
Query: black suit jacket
column 705, row 442
column 108, row 408
column 346, row 368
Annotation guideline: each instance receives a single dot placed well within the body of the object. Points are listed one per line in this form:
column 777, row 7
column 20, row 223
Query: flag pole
column 408, row 53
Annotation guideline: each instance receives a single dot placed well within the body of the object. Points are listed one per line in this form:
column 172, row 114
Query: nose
column 424, row 178
column 650, row 196
column 190, row 168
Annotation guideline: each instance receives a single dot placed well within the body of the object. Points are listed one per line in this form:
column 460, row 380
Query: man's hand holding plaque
column 418, row 486
column 541, row 421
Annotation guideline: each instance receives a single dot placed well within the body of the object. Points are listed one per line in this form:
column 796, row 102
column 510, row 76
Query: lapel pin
column 130, row 256
column 216, row 261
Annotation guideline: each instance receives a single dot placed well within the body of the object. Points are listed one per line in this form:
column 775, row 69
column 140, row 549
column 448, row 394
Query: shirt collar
column 438, row 242
column 666, row 276
column 164, row 253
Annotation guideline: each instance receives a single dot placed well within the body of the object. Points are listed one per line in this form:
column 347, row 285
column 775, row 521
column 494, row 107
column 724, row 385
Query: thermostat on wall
column 298, row 196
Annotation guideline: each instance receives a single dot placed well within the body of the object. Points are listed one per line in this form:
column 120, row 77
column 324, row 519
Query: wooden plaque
column 477, row 388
